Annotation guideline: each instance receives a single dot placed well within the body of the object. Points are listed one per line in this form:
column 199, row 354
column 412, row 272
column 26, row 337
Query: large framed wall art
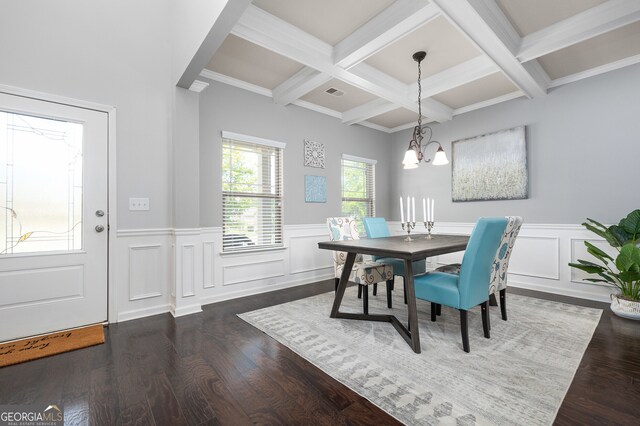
column 490, row 167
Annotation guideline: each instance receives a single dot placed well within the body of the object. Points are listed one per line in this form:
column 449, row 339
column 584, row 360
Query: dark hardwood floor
column 213, row 368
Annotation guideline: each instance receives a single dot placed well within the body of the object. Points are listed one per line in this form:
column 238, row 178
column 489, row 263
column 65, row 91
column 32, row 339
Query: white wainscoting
column 178, row 271
column 540, row 258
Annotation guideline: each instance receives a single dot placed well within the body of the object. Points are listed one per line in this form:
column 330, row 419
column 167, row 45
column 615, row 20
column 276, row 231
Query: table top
column 396, row 247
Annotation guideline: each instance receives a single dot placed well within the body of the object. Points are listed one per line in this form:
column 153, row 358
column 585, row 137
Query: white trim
column 143, row 312
column 375, row 126
column 368, row 110
column 317, row 108
column 253, row 139
column 360, row 159
column 198, row 86
column 298, row 85
column 152, row 232
column 235, row 82
column 632, row 60
column 405, row 126
column 489, row 102
column 185, row 310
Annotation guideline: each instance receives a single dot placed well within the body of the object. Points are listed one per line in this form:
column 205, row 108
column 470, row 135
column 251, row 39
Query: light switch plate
column 138, row 204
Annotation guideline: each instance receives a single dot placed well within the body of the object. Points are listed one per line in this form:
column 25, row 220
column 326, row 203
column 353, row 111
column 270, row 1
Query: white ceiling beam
column 270, row 32
column 448, row 79
column 598, row 20
column 387, row 87
column 298, row 85
column 393, row 23
column 368, row 110
column 485, row 24
column 466, row 72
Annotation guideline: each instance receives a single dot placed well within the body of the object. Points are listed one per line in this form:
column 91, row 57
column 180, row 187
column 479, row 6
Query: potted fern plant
column 623, row 272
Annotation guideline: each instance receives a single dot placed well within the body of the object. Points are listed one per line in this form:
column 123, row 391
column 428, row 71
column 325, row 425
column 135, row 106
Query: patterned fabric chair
column 376, row 227
column 498, row 281
column 470, row 287
column 363, row 272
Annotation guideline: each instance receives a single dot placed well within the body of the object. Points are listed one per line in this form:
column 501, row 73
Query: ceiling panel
column 444, row 44
column 528, row 16
column 601, row 50
column 396, row 118
column 329, row 20
column 248, row 62
column 480, row 90
column 351, row 98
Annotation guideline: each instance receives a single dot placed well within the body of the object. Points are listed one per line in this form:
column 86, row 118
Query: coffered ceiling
column 351, row 59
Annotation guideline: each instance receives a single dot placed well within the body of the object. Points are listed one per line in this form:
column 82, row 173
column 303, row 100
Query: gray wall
column 583, row 147
column 224, row 107
column 110, row 52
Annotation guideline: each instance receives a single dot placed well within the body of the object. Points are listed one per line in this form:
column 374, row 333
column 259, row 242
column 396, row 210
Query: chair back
column 342, row 228
column 376, row 227
column 477, row 262
column 503, row 254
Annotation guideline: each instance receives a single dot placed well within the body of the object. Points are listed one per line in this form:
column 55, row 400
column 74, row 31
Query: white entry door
column 53, row 216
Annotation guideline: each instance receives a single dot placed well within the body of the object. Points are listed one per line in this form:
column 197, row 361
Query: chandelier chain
column 419, row 95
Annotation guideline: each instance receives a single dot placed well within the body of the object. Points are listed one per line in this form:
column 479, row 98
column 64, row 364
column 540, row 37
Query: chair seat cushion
column 438, row 287
column 419, row 266
column 368, row 272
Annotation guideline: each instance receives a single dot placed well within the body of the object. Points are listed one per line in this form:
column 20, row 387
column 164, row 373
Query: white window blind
column 251, row 195
column 358, row 187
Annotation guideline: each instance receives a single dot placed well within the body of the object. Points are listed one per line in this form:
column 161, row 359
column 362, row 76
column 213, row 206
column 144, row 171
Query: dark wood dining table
column 395, row 247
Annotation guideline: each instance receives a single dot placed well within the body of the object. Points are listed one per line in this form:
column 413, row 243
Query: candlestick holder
column 429, row 225
column 408, row 226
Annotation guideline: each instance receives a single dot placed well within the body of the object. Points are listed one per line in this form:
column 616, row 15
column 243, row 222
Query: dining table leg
column 411, row 307
column 342, row 285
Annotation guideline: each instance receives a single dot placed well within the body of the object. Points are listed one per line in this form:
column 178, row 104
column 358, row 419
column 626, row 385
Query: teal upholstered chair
column 376, row 227
column 498, row 281
column 363, row 272
column 471, row 287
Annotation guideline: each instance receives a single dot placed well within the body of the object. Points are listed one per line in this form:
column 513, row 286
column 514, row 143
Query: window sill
column 259, row 250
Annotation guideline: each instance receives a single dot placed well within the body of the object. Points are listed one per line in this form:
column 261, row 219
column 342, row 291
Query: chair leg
column 389, row 297
column 360, row 291
column 492, row 300
column 485, row 319
column 503, row 303
column 434, row 308
column 393, row 282
column 337, row 280
column 438, row 309
column 365, row 299
column 375, row 289
column 464, row 328
column 405, row 292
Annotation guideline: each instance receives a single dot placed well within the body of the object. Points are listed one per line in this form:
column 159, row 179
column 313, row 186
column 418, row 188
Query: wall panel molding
column 144, row 278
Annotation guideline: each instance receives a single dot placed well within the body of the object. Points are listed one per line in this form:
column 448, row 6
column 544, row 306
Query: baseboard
column 185, row 310
column 579, row 294
column 144, row 312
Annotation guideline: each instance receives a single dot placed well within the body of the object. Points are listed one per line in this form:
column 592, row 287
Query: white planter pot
column 625, row 308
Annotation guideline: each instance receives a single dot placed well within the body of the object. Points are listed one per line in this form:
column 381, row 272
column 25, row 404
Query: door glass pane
column 40, row 184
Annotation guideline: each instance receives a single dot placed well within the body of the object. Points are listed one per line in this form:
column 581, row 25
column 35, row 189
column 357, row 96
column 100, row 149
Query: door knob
column 99, row 228
column 99, row 213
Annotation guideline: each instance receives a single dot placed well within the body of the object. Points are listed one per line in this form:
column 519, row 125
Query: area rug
column 519, row 376
column 44, row 345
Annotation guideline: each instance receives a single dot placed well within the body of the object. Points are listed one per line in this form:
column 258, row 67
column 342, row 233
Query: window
column 358, row 187
column 251, row 193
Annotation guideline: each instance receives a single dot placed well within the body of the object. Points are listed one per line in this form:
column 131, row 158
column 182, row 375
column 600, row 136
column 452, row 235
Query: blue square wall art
column 315, row 189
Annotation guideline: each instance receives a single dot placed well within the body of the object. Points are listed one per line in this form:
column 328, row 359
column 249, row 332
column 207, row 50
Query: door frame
column 112, row 311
